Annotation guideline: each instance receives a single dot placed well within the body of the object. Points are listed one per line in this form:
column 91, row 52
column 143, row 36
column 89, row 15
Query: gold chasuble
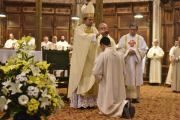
column 82, row 62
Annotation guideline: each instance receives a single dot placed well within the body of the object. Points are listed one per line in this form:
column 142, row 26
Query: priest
column 11, row 42
column 155, row 54
column 133, row 48
column 175, row 86
column 82, row 88
column 109, row 71
column 63, row 44
column 104, row 27
column 170, row 71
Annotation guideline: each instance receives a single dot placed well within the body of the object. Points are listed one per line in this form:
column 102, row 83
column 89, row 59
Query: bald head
column 54, row 39
column 155, row 42
column 103, row 27
column 11, row 36
column 46, row 39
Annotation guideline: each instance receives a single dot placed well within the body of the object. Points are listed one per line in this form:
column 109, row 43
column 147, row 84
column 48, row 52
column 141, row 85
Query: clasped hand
column 131, row 52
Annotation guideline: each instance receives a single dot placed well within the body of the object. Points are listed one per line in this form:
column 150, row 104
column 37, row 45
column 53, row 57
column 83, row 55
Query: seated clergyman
column 109, row 71
column 45, row 43
column 11, row 42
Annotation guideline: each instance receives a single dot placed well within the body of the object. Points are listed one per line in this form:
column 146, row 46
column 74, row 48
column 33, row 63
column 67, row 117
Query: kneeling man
column 109, row 71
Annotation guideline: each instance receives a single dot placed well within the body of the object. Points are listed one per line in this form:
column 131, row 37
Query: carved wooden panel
column 141, row 9
column 63, row 11
column 13, row 9
column 27, row 31
column 29, row 21
column 124, row 10
column 60, row 32
column 13, row 20
column 109, row 20
column 145, row 34
column 112, row 33
column 169, row 17
column 48, row 10
column 143, row 22
column 177, row 4
column 168, row 7
column 15, row 31
column 29, row 9
column 62, row 22
column 47, row 21
column 177, row 15
column 121, row 33
column 109, row 11
column 124, row 21
column 47, row 32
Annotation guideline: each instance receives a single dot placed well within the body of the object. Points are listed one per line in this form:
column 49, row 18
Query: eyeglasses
column 133, row 29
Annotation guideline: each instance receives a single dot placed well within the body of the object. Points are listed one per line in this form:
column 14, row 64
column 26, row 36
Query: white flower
column 30, row 88
column 44, row 102
column 7, row 83
column 23, row 100
column 4, row 103
column 35, row 94
column 19, row 55
column 45, row 95
column 36, row 89
column 25, row 72
column 52, row 78
column 30, row 93
column 35, row 70
column 28, row 48
column 15, row 87
column 5, row 90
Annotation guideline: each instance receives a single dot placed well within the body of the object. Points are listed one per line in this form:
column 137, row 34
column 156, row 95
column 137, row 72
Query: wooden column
column 98, row 13
column 38, row 31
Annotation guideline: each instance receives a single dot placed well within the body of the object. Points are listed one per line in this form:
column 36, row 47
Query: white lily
column 44, row 102
column 4, row 103
column 7, row 83
column 44, row 94
column 15, row 87
column 5, row 90
column 28, row 49
column 35, row 70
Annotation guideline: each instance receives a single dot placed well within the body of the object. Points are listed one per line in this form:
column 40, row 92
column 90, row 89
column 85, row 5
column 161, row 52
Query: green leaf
column 6, row 116
column 14, row 111
column 41, row 112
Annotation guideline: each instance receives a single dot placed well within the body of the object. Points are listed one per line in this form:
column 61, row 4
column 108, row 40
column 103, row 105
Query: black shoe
column 174, row 91
column 131, row 110
column 126, row 111
column 135, row 101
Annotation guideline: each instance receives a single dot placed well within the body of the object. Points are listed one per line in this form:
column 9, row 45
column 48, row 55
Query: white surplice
column 175, row 86
column 32, row 41
column 134, row 73
column 170, row 71
column 63, row 44
column 45, row 45
column 9, row 43
column 109, row 71
column 155, row 65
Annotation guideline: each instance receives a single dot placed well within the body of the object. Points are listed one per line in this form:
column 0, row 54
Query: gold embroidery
column 125, row 44
column 138, row 46
column 88, row 31
column 88, row 15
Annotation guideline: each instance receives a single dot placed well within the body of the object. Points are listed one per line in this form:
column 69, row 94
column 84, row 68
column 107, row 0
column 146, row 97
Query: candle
column 62, row 47
column 55, row 47
column 50, row 46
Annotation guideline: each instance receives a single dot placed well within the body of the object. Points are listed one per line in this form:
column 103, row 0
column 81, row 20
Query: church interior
column 160, row 20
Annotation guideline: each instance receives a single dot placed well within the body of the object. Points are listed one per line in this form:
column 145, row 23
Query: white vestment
column 134, row 73
column 109, row 71
column 45, row 45
column 155, row 65
column 63, row 44
column 170, row 71
column 175, row 86
column 9, row 43
column 82, row 87
column 32, row 41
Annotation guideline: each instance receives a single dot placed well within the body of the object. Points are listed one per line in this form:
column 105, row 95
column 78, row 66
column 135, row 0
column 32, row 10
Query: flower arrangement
column 27, row 86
